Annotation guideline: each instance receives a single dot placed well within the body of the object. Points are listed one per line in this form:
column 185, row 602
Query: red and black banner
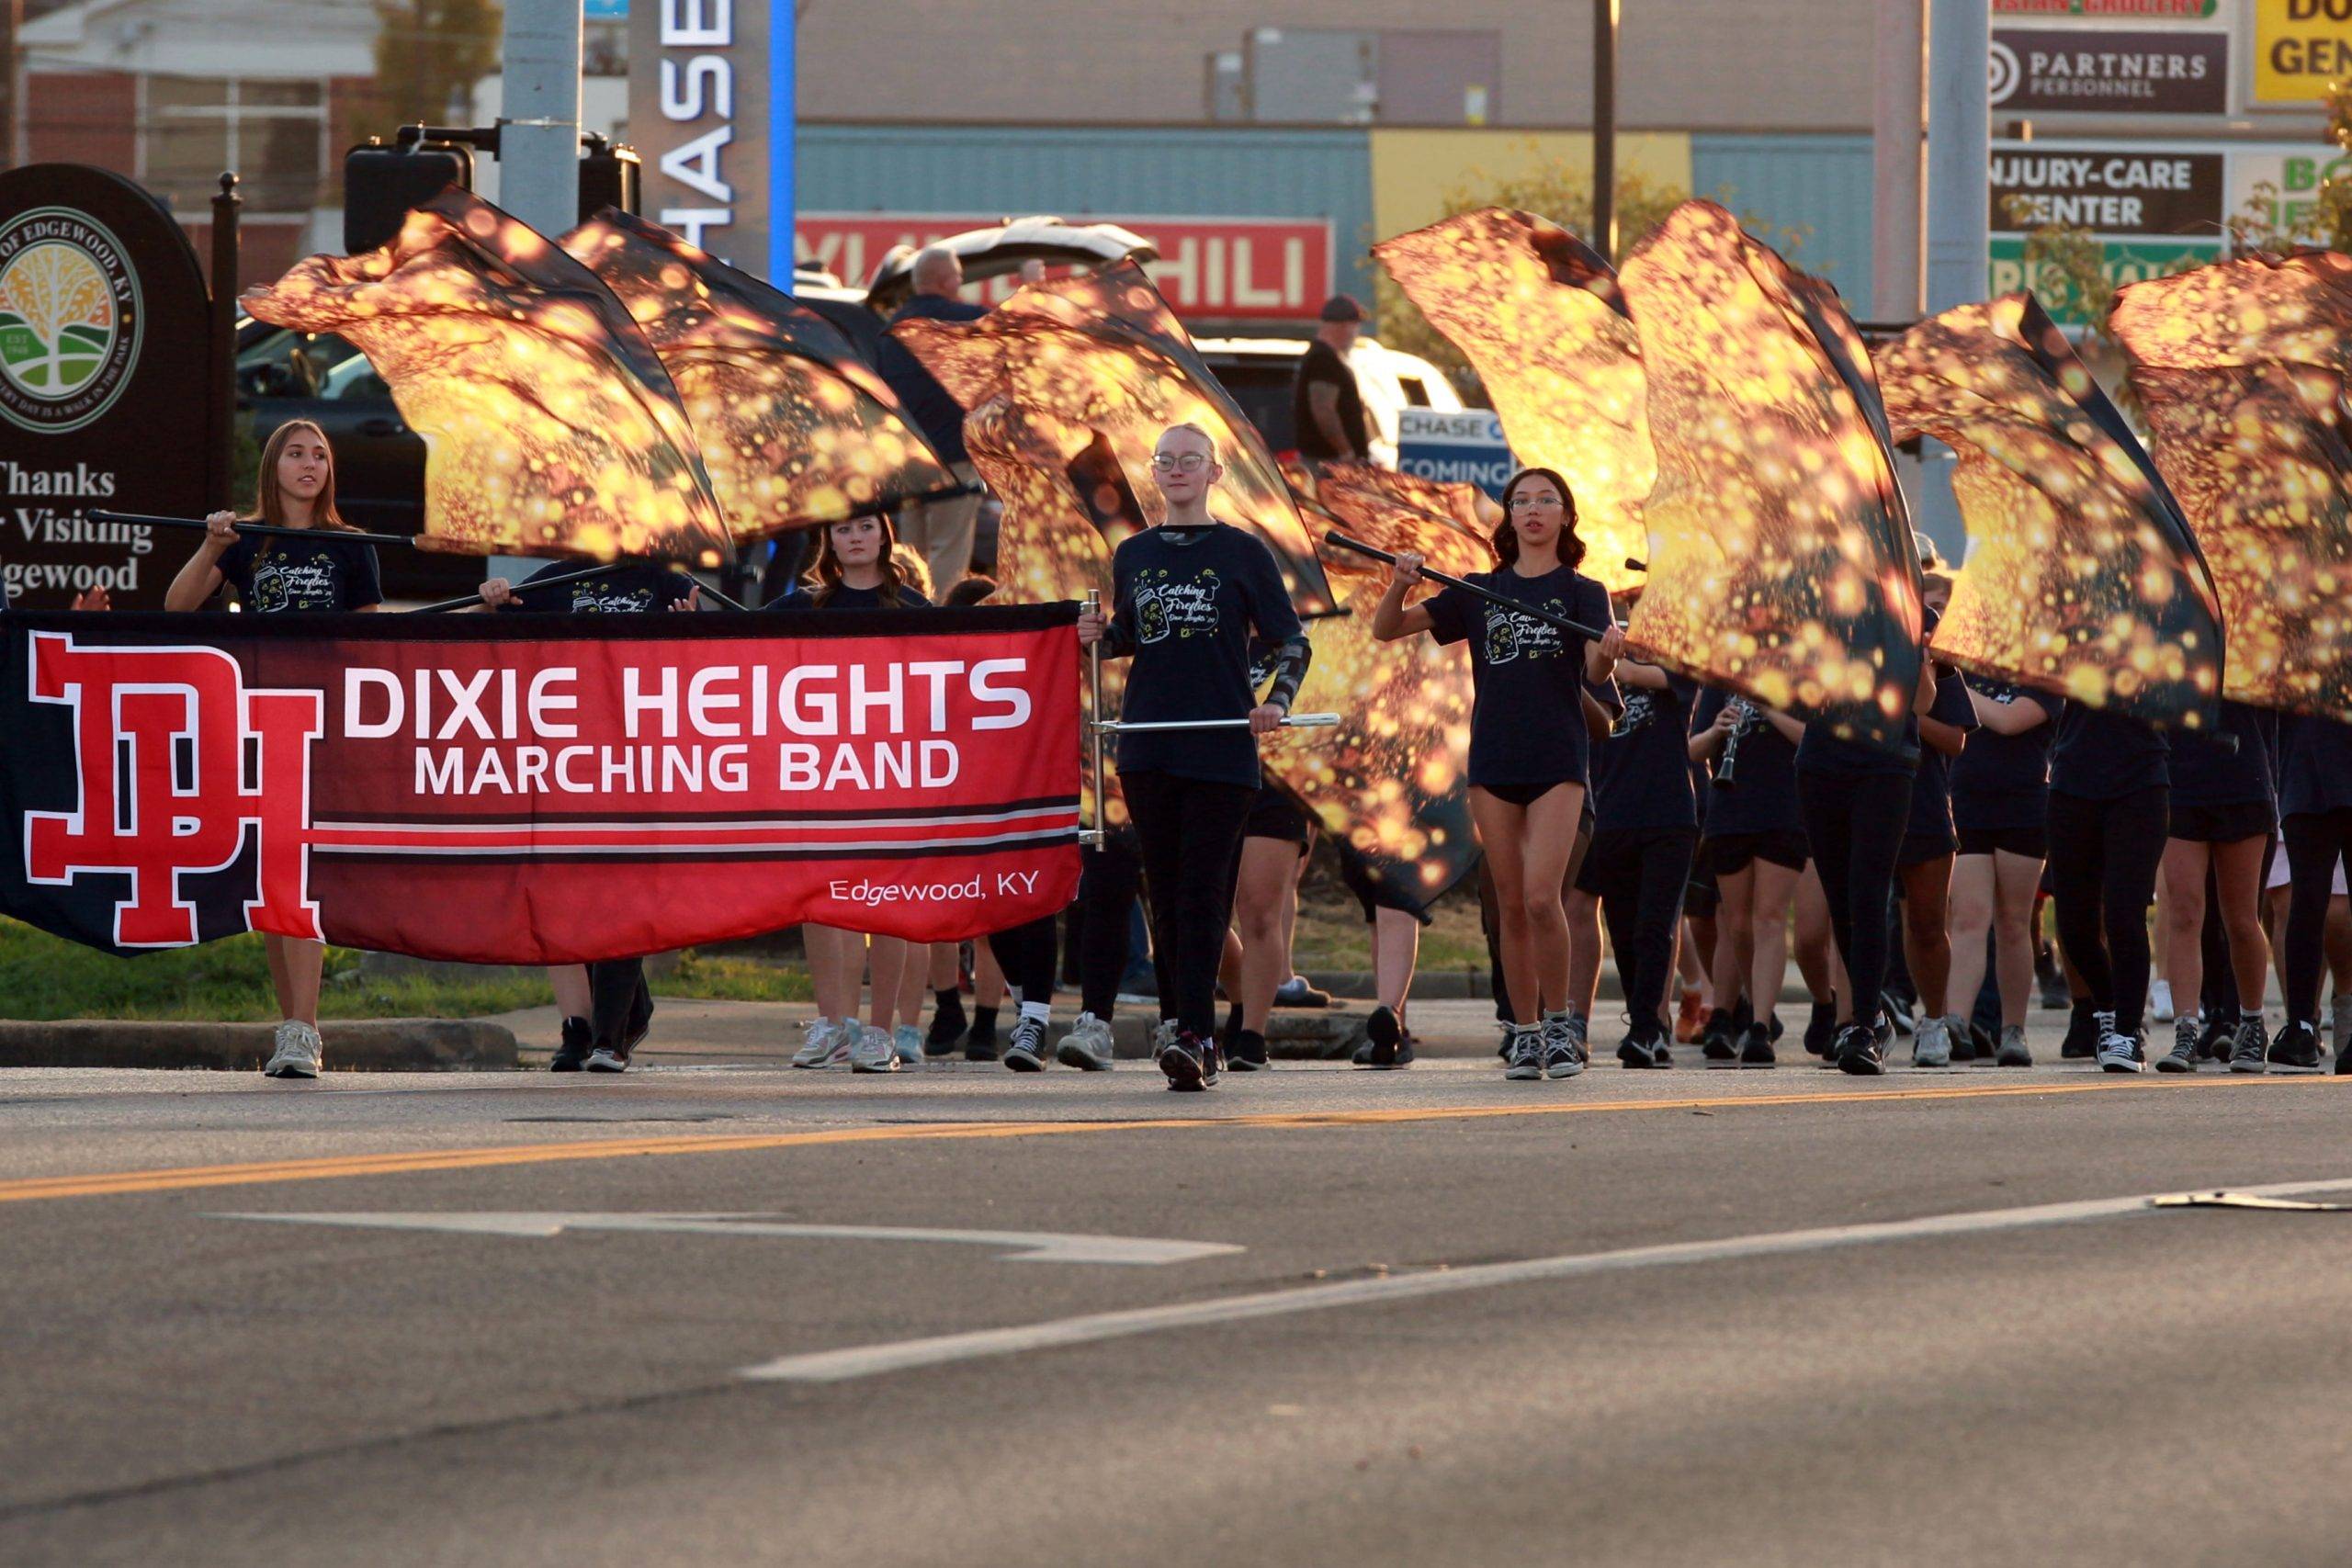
column 537, row 789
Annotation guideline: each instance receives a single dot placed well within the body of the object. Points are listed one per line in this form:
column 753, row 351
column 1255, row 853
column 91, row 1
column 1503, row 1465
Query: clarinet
column 1727, row 766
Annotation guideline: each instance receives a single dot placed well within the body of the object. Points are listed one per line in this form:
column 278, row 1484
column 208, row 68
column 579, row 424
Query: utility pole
column 1899, row 147
column 1604, row 130
column 1960, row 152
column 539, row 134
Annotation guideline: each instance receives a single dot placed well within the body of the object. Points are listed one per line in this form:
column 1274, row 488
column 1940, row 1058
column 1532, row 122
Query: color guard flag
column 2082, row 579
column 550, row 426
column 1781, row 565
column 537, row 789
column 2241, row 372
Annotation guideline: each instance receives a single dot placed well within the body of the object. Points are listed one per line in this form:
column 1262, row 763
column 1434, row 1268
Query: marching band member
column 2223, row 811
column 1755, row 844
column 2000, row 788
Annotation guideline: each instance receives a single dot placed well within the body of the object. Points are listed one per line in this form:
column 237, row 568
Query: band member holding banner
column 273, row 575
column 607, row 1008
column 2223, row 812
column 2000, row 791
column 1755, row 844
column 1186, row 595
column 1923, row 864
column 2109, row 800
column 1529, row 757
column 854, row 571
column 2315, row 812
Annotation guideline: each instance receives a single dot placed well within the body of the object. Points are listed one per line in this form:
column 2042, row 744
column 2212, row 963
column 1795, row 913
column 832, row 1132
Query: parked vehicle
column 1258, row 371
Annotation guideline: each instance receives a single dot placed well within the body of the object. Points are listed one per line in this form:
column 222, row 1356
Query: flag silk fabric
column 1782, row 563
column 2241, row 371
column 549, row 424
column 1104, row 352
column 796, row 428
column 1389, row 780
column 1540, row 316
column 537, row 789
column 2082, row 579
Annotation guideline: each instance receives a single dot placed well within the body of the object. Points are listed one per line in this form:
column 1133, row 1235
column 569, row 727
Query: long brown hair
column 268, row 505
column 825, row 578
column 1507, row 531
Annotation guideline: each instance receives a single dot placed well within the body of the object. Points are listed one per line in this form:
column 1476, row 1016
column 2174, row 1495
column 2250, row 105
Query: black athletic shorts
column 1921, row 848
column 2223, row 823
column 1273, row 815
column 1371, row 894
column 2031, row 841
column 1523, row 795
column 1727, row 853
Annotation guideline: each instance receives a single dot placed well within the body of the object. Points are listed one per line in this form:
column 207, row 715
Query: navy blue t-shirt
column 1526, row 716
column 1184, row 603
column 273, row 574
column 1762, row 795
column 1640, row 774
column 637, row 590
column 2315, row 766
column 2102, row 754
column 846, row 598
column 937, row 415
column 2205, row 774
column 1931, row 786
column 2001, row 782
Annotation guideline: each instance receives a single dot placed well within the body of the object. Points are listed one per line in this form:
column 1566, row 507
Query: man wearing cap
column 941, row 531
column 1326, row 407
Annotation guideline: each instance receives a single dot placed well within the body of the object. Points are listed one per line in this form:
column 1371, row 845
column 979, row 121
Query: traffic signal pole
column 1960, row 260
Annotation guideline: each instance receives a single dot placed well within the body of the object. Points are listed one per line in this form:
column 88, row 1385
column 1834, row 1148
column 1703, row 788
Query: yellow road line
column 331, row 1167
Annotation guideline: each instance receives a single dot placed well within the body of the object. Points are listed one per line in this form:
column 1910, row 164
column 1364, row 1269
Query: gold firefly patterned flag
column 2240, row 371
column 1539, row 315
column 1104, row 353
column 1781, row 566
column 794, row 427
column 2082, row 579
column 550, row 425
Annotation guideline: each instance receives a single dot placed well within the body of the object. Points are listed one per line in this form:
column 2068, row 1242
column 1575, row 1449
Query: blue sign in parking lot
column 1459, row 448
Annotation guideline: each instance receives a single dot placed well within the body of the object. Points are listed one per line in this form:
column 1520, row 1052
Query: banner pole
column 270, row 530
column 1340, row 541
column 1092, row 838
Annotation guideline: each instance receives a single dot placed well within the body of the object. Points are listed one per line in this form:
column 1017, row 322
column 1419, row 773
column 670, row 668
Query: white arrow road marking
column 867, row 1360
column 1022, row 1246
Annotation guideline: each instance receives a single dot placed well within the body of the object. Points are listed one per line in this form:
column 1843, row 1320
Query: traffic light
column 608, row 176
column 381, row 183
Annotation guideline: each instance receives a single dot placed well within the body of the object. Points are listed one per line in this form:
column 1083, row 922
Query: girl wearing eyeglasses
column 1529, row 754
column 1185, row 596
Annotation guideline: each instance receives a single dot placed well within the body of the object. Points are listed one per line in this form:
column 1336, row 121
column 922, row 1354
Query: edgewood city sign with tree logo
column 104, row 345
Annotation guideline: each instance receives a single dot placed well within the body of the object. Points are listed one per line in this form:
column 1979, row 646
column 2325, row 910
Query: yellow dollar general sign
column 2300, row 46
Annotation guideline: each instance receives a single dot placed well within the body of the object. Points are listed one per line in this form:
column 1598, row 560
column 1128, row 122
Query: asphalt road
column 1697, row 1316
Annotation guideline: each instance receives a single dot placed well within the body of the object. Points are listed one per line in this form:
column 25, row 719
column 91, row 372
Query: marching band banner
column 537, row 789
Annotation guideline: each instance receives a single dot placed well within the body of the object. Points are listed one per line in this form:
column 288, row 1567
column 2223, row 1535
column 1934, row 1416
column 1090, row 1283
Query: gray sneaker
column 1931, row 1046
column 2184, row 1031
column 1561, row 1057
column 906, row 1043
column 2250, row 1047
column 828, row 1044
column 1526, row 1054
column 1087, row 1046
column 871, row 1051
column 299, row 1052
column 1579, row 1036
column 2013, row 1051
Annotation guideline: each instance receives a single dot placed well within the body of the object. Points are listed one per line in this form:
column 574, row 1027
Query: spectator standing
column 1326, row 404
column 942, row 530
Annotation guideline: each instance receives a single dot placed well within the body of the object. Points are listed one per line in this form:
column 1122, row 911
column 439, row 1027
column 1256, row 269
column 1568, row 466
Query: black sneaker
column 2297, row 1048
column 1188, row 1063
column 1028, row 1052
column 948, row 1026
column 1859, row 1051
column 1897, row 1011
column 1756, row 1047
column 1300, row 992
column 578, row 1039
column 2213, row 1041
column 2182, row 1058
column 1774, row 1033
column 1384, row 1035
column 1715, row 1041
column 2082, row 1035
column 1821, row 1028
column 1642, row 1052
column 1248, row 1052
column 980, row 1046
column 1967, row 1042
column 1212, row 1063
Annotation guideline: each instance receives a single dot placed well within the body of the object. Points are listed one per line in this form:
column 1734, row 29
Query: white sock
column 1042, row 1011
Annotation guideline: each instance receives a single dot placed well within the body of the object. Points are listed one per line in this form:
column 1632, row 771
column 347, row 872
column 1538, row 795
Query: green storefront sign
column 2127, row 261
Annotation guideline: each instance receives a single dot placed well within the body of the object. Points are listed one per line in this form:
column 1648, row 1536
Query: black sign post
column 106, row 355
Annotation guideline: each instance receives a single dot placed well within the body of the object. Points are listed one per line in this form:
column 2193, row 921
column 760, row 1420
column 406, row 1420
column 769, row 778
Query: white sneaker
column 2160, row 1001
column 828, row 1044
column 871, row 1051
column 1087, row 1046
column 299, row 1052
column 906, row 1043
column 1931, row 1046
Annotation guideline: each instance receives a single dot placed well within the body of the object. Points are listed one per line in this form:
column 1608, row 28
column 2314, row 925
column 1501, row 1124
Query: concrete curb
column 389, row 1044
